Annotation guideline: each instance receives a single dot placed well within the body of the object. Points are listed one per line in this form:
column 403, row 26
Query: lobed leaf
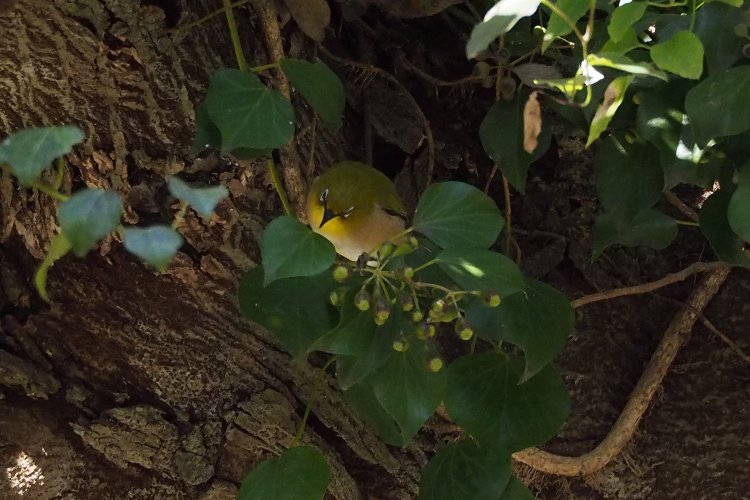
column 88, row 216
column 30, row 151
column 203, row 200
column 156, row 245
column 320, row 87
column 649, row 228
column 479, row 270
column 300, row 473
column 682, row 55
column 361, row 397
column 623, row 18
column 714, row 222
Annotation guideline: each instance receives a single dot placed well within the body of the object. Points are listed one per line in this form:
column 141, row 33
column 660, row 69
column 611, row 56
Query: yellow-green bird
column 356, row 208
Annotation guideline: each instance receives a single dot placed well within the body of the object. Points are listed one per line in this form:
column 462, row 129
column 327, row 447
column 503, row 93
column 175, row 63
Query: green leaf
column 203, row 200
column 719, row 105
column 738, row 210
column 408, row 390
column 626, row 43
column 649, row 228
column 714, row 25
column 624, row 63
column 475, row 269
column 465, row 471
column 682, row 55
column 538, row 321
column 58, row 248
column 557, row 26
column 290, row 248
column 354, row 332
column 613, row 97
column 458, row 214
column 501, row 133
column 30, row 151
column 516, row 490
column 351, row 370
column 628, row 177
column 88, row 216
column 361, row 397
column 300, row 473
column 714, row 222
column 248, row 114
column 296, row 310
column 498, row 20
column 485, row 399
column 320, row 87
column 208, row 136
column 155, row 245
column 623, row 18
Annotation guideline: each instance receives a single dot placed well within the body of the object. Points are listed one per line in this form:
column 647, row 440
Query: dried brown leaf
column 312, row 17
column 532, row 123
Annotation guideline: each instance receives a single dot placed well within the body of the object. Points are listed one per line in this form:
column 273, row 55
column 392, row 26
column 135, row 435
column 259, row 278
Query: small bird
column 356, row 208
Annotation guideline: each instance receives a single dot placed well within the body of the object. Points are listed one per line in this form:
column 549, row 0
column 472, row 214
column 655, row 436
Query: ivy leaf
column 30, row 151
column 361, row 397
column 457, row 214
column 481, row 270
column 320, row 86
column 300, row 473
column 290, row 248
column 626, row 43
column 624, row 63
column 247, row 113
column 203, row 200
column 88, row 216
column 738, row 210
column 682, row 55
column 714, row 25
column 649, row 228
column 501, row 133
column 408, row 390
column 58, row 248
column 353, row 334
column 714, row 222
column 628, row 177
column 718, row 106
column 516, row 490
column 623, row 18
column 296, row 310
column 351, row 370
column 485, row 399
column 498, row 20
column 465, row 471
column 208, row 136
column 557, row 26
column 613, row 97
column 155, row 245
column 538, row 321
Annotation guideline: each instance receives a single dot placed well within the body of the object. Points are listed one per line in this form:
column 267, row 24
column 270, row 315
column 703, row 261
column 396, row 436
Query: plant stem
column 687, row 223
column 564, row 17
column 426, row 264
column 279, row 187
column 692, row 17
column 311, row 400
column 206, row 18
column 235, row 35
column 258, row 69
column 180, row 215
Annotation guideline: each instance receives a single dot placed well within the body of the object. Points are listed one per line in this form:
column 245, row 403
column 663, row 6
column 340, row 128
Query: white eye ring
column 324, row 196
column 348, row 212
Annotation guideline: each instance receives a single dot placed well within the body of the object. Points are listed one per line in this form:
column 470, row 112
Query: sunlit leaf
column 464, row 470
column 613, row 97
column 155, row 245
column 320, row 87
column 203, row 199
column 300, row 473
column 458, row 214
column 475, row 269
column 682, row 55
column 28, row 152
column 498, row 20
column 485, row 399
column 296, row 310
column 623, row 18
column 88, row 216
column 290, row 248
column 623, row 63
column 558, row 26
column 538, row 321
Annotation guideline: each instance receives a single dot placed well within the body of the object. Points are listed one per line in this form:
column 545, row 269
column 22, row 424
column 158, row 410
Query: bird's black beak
column 327, row 215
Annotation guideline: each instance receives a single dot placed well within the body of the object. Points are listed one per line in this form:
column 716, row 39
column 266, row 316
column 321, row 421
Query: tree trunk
column 134, row 383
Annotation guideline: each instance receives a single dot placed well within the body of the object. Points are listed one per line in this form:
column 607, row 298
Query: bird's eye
column 324, row 196
column 348, row 212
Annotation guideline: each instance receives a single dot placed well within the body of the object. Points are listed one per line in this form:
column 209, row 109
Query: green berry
column 425, row 330
column 464, row 329
column 481, row 69
column 363, row 300
column 435, row 364
column 337, row 296
column 342, row 273
column 406, row 301
column 400, row 345
column 417, row 316
column 381, row 311
column 439, row 306
column 740, row 30
column 491, row 298
column 385, row 250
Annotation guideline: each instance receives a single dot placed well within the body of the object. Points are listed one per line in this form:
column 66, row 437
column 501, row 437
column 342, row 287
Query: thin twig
column 686, row 210
column 311, row 400
column 622, row 431
column 431, row 79
column 206, row 18
column 489, row 179
column 698, row 267
column 279, row 188
column 394, row 80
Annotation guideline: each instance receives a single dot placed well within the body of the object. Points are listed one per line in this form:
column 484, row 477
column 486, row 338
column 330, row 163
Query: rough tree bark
column 133, row 384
